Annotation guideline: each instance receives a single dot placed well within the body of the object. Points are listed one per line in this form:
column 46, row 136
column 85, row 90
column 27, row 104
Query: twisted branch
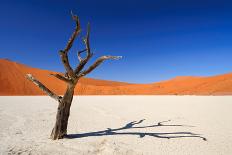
column 64, row 53
column 97, row 63
column 88, row 55
column 74, row 34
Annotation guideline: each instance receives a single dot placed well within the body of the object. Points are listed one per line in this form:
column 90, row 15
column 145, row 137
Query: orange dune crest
column 13, row 82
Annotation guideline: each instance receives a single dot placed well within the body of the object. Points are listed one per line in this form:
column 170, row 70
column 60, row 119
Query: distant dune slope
column 13, row 82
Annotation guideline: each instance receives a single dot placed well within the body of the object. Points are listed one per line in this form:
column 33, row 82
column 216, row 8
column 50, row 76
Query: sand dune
column 163, row 125
column 13, row 82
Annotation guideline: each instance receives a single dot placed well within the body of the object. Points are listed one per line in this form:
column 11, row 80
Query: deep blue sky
column 158, row 39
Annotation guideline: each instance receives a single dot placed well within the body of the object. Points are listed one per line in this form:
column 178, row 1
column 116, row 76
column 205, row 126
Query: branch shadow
column 131, row 125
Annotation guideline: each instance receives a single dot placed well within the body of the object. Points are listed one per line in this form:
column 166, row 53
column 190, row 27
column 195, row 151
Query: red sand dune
column 13, row 82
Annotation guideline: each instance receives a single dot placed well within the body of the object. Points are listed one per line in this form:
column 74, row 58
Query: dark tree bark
column 71, row 77
column 60, row 128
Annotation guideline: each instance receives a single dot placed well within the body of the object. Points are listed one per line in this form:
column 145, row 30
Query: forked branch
column 62, row 78
column 79, row 54
column 88, row 55
column 65, row 61
column 71, row 77
column 43, row 88
column 97, row 63
column 64, row 53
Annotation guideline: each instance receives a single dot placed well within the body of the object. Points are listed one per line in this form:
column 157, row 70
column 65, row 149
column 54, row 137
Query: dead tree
column 71, row 78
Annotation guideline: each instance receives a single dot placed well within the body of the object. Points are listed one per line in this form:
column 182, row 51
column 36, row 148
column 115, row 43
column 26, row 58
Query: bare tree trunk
column 70, row 77
column 60, row 128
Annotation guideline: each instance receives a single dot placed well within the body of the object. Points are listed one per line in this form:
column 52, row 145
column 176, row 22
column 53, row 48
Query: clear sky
column 158, row 39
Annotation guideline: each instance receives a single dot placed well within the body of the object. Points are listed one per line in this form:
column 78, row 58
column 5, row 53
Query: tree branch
column 62, row 78
column 79, row 54
column 97, row 63
column 74, row 34
column 65, row 61
column 82, row 64
column 64, row 53
column 89, row 54
column 86, row 40
column 43, row 88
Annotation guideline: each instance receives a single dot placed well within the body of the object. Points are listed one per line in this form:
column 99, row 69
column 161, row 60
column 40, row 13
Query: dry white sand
column 104, row 125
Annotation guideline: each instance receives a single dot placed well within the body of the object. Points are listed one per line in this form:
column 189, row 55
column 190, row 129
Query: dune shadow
column 131, row 125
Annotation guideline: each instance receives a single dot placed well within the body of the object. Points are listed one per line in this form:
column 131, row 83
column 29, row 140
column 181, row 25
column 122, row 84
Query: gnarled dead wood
column 74, row 34
column 65, row 61
column 89, row 54
column 64, row 53
column 62, row 78
column 97, row 63
column 43, row 88
column 71, row 78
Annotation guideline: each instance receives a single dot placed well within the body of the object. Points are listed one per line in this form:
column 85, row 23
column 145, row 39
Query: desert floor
column 127, row 125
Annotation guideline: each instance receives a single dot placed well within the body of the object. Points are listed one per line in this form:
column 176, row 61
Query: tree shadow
column 131, row 125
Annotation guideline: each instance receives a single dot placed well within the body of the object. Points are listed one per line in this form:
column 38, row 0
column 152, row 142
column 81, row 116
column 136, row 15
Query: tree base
column 60, row 129
column 55, row 135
